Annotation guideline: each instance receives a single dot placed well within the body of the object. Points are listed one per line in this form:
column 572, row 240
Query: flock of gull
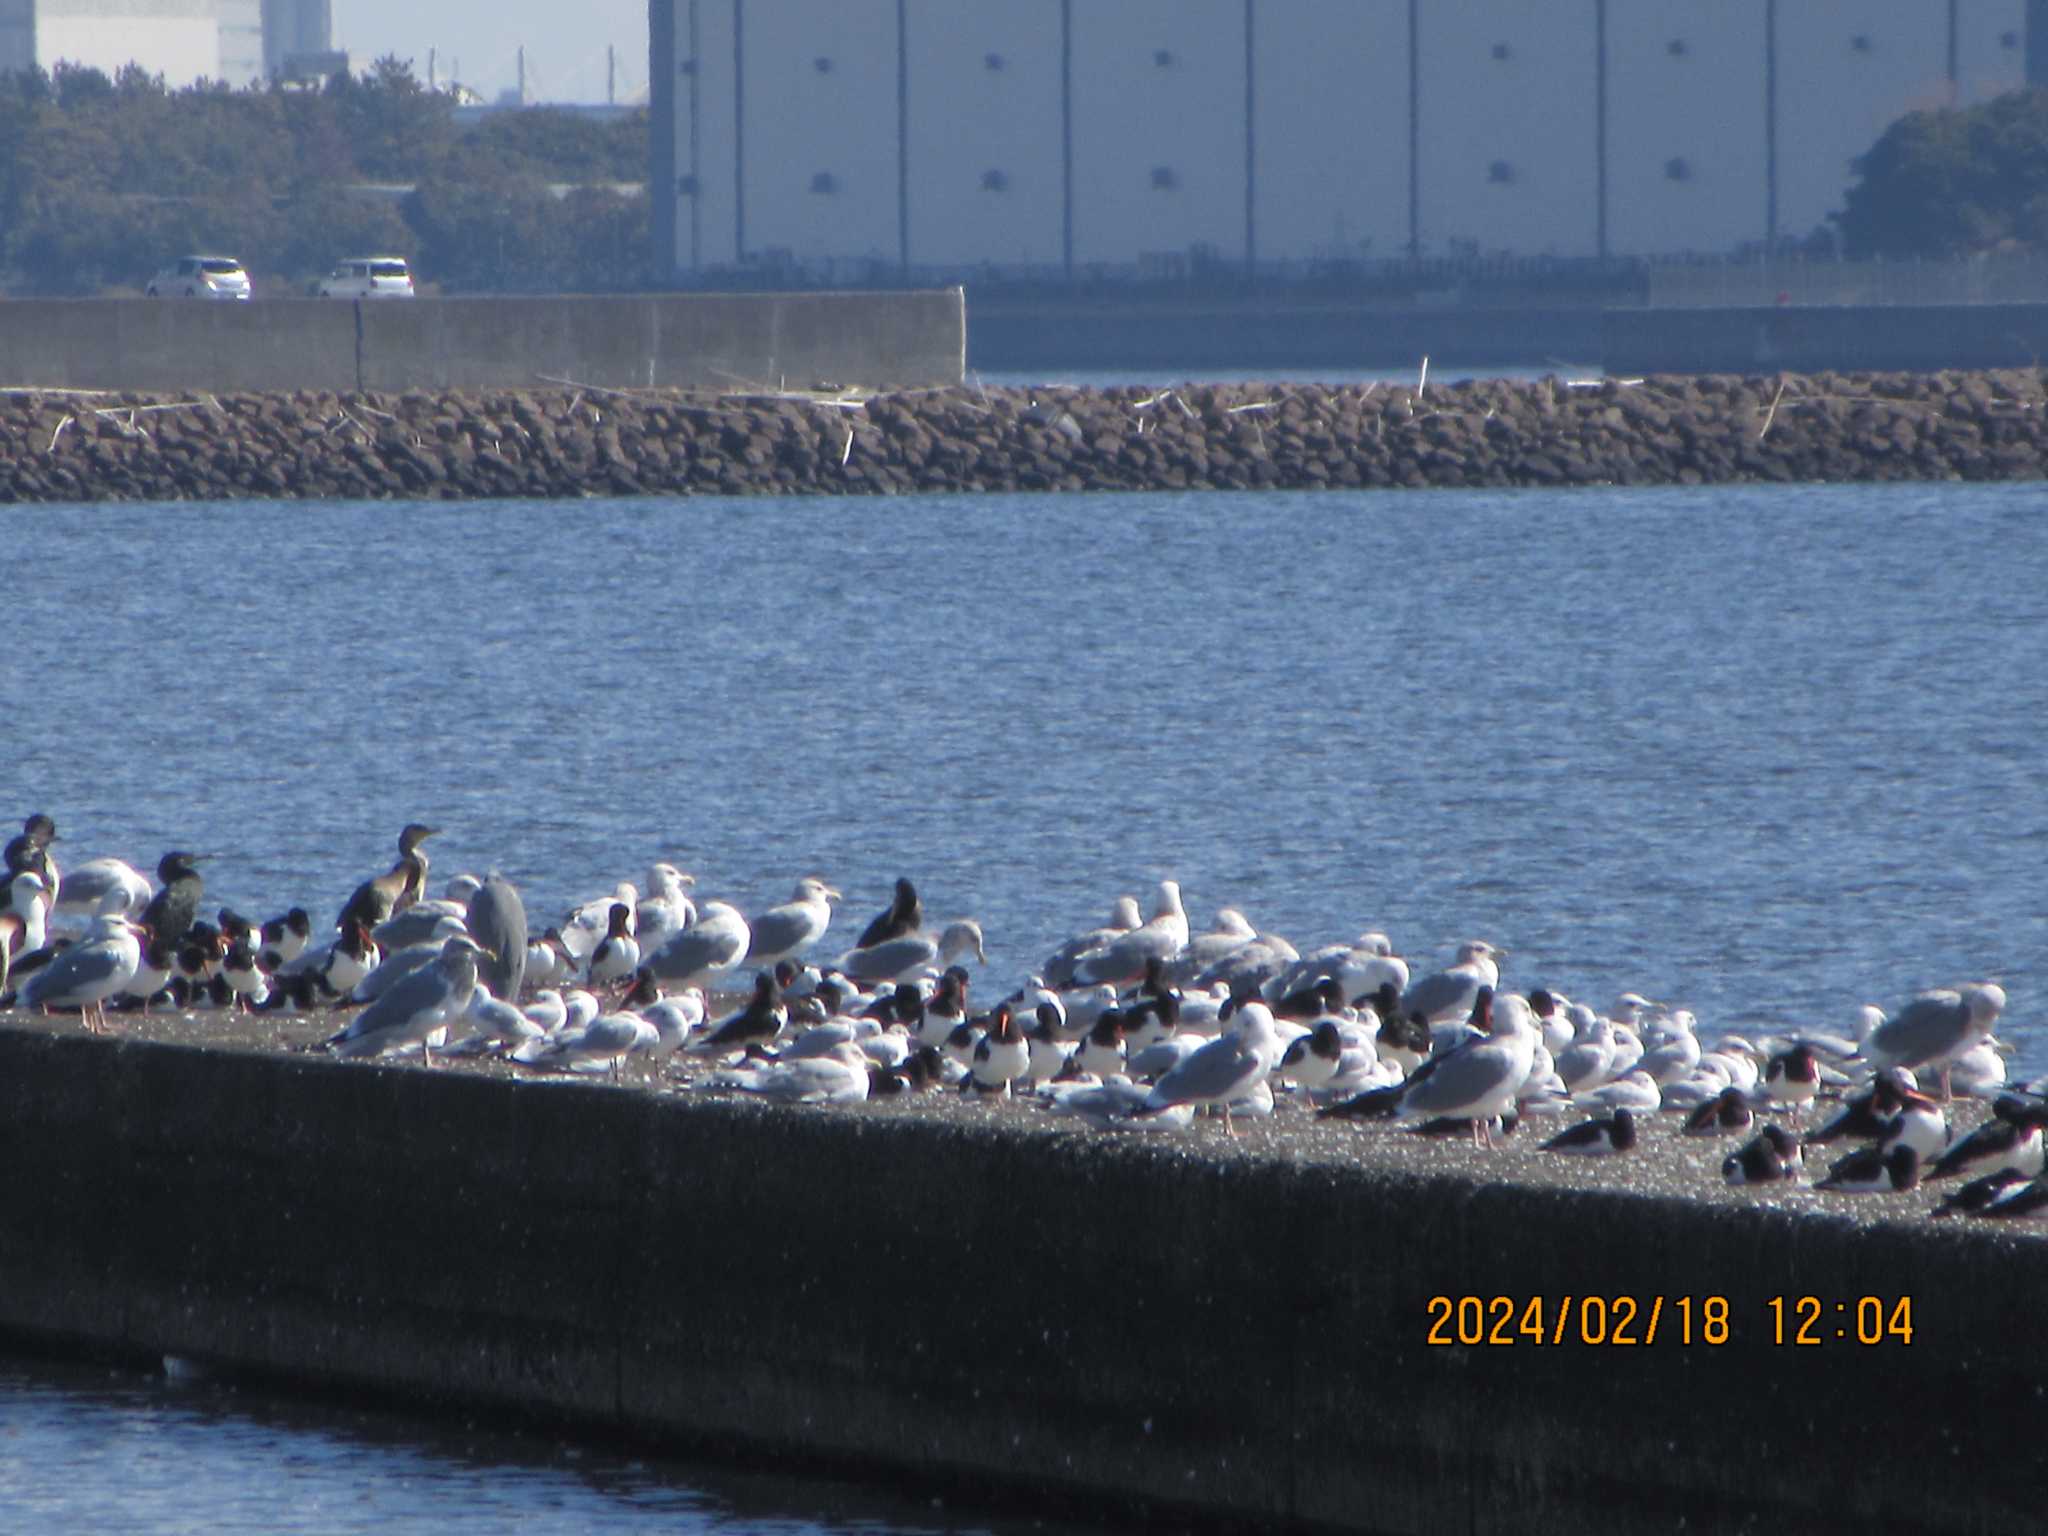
column 1137, row 1025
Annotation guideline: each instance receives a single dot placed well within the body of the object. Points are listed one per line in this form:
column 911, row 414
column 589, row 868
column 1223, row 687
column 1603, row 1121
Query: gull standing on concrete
column 1233, row 931
column 1936, row 1028
column 1058, row 970
column 899, row 958
column 703, row 954
column 87, row 974
column 785, row 932
column 1360, row 968
column 1449, row 994
column 415, row 1006
column 1225, row 1069
column 403, row 962
column 1478, row 1081
column 666, row 910
column 1161, row 939
column 87, row 886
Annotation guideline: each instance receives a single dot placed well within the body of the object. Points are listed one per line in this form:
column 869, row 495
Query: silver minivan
column 368, row 277
column 201, row 277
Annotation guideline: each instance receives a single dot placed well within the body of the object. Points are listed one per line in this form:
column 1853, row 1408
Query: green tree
column 497, row 235
column 1953, row 183
column 397, row 129
column 608, row 248
column 329, row 222
column 104, row 180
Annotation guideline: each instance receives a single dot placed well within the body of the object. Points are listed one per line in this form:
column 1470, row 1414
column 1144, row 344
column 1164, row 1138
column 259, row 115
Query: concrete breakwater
column 566, row 441
column 946, row 1296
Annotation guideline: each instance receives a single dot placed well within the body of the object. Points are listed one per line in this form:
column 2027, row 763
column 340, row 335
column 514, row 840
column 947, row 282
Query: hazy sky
column 565, row 43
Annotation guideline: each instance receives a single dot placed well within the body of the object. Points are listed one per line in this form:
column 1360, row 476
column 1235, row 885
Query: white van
column 368, row 277
column 201, row 277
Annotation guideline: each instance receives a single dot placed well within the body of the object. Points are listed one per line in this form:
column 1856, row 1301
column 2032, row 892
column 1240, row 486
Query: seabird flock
column 1133, row 1026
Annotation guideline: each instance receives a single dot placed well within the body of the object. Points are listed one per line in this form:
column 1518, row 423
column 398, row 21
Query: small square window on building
column 825, row 183
column 995, row 181
column 1500, row 173
column 1164, row 178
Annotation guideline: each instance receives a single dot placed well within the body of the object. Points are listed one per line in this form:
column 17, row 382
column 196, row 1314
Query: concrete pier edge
column 1171, row 1323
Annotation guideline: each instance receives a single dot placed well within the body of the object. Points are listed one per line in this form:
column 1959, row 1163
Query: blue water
column 1766, row 753
column 88, row 1448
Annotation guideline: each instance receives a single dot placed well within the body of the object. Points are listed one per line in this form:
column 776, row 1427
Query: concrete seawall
column 680, row 341
column 565, row 441
column 1808, row 337
column 1185, row 1323
column 1233, row 338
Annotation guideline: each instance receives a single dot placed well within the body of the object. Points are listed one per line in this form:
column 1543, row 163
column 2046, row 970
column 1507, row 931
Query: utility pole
column 522, row 74
column 430, row 69
column 611, row 75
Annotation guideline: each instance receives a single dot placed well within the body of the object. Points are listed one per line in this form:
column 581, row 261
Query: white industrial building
column 1055, row 138
column 240, row 41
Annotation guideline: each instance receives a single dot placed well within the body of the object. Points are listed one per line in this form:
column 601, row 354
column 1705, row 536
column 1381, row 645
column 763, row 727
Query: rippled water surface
column 91, row 1449
column 1767, row 753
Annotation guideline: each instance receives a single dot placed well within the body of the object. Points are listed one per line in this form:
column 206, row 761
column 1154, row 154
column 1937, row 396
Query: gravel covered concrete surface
column 560, row 441
column 1665, row 1163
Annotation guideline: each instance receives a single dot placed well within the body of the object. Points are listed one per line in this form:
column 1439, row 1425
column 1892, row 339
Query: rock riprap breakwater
column 562, row 441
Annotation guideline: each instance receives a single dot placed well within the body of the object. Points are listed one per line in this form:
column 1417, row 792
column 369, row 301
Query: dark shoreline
column 568, row 442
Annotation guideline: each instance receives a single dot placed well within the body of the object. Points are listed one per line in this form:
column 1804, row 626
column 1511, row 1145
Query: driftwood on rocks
column 565, row 439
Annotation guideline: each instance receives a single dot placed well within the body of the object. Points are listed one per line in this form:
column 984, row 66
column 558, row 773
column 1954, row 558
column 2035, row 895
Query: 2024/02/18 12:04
column 1473, row 1321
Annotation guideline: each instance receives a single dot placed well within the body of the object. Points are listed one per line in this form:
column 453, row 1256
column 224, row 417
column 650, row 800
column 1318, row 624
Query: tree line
column 1954, row 182
column 104, row 180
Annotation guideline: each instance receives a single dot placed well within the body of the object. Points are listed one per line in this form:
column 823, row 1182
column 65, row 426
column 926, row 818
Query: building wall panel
column 820, row 132
column 985, row 145
column 1159, row 131
column 1507, row 109
column 180, row 48
column 1508, row 141
column 1991, row 49
column 706, row 131
column 241, row 42
column 1330, row 110
column 1846, row 70
column 17, row 34
column 1686, row 126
